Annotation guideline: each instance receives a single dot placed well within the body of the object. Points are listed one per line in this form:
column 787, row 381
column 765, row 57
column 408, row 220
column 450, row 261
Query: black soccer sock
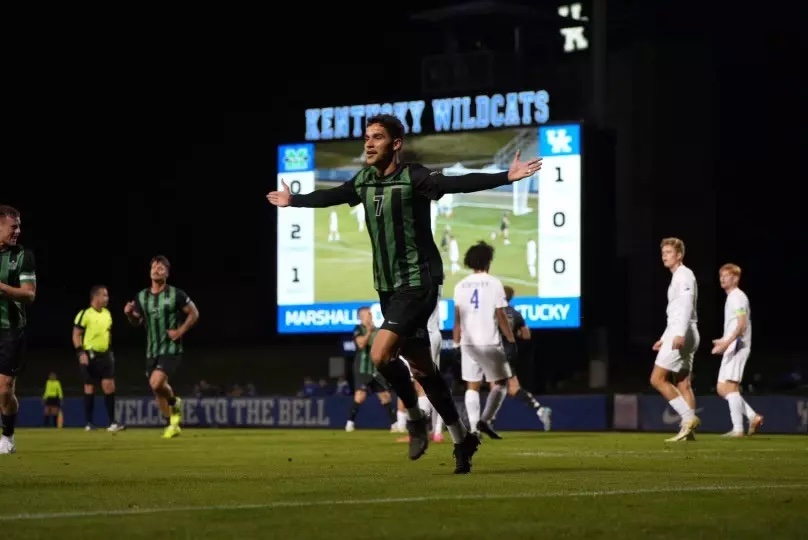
column 391, row 411
column 89, row 405
column 9, row 421
column 109, row 403
column 46, row 420
column 440, row 397
column 172, row 401
column 397, row 374
column 55, row 420
column 527, row 398
column 354, row 411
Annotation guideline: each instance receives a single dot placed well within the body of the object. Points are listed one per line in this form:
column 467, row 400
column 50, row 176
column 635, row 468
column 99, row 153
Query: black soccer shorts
column 406, row 312
column 12, row 350
column 167, row 363
column 101, row 366
column 372, row 384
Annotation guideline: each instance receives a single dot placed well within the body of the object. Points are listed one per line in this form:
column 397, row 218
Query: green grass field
column 250, row 483
column 344, row 268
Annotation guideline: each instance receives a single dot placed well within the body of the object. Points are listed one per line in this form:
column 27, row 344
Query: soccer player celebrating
column 735, row 346
column 407, row 266
column 17, row 290
column 168, row 314
column 679, row 342
column 482, row 332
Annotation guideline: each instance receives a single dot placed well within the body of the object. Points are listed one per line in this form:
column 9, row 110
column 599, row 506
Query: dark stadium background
column 144, row 135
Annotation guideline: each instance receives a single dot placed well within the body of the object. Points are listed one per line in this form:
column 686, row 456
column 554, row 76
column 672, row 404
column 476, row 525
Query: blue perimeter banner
column 782, row 414
column 342, row 317
column 570, row 413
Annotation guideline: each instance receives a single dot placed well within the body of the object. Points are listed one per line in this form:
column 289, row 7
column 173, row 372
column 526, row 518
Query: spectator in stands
column 309, row 388
column 325, row 388
column 343, row 388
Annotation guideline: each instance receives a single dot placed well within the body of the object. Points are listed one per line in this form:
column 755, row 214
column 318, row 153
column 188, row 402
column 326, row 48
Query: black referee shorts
column 100, row 367
column 407, row 311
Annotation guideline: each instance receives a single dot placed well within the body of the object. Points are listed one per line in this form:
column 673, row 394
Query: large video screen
column 324, row 268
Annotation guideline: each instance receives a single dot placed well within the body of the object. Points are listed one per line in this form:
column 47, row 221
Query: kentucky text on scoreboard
column 463, row 113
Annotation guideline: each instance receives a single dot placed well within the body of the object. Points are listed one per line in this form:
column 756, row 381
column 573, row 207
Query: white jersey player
column 678, row 344
column 433, row 209
column 532, row 257
column 359, row 211
column 454, row 255
column 333, row 227
column 735, row 346
column 479, row 327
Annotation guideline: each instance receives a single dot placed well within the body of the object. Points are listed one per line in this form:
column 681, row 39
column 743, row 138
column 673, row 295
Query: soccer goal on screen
column 514, row 196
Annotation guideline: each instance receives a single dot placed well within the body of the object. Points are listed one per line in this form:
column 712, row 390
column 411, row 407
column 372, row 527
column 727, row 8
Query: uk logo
column 559, row 141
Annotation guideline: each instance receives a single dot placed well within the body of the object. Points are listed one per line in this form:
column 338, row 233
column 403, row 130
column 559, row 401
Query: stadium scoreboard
column 324, row 262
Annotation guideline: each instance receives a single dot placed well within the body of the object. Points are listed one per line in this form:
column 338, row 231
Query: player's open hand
column 523, row 169
column 280, row 198
column 719, row 346
column 656, row 346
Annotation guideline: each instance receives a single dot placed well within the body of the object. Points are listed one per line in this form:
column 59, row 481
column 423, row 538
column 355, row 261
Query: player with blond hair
column 679, row 341
column 735, row 346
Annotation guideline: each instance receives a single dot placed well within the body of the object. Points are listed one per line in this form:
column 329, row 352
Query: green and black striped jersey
column 17, row 266
column 398, row 218
column 362, row 357
column 162, row 312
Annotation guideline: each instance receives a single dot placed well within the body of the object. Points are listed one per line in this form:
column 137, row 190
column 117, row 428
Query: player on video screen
column 407, row 266
column 532, row 257
column 505, row 227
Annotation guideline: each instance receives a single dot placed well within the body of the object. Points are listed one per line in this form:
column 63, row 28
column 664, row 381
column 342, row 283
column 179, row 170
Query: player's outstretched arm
column 319, row 198
column 434, row 184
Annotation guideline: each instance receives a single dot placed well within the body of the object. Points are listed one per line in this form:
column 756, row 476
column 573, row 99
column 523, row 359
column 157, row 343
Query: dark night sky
column 164, row 143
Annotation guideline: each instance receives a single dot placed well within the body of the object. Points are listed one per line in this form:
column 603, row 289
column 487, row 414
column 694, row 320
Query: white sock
column 748, row 410
column 457, row 431
column 494, row 402
column 735, row 411
column 424, row 405
column 473, row 408
column 401, row 419
column 438, row 423
column 680, row 406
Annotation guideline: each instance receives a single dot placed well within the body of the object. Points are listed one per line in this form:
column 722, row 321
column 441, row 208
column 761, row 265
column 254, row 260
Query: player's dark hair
column 391, row 123
column 509, row 292
column 96, row 289
column 363, row 308
column 479, row 256
column 8, row 211
column 161, row 259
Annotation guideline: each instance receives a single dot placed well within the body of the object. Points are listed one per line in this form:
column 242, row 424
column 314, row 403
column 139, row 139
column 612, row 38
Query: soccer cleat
column 7, row 445
column 176, row 413
column 419, row 437
column 755, row 424
column 686, row 430
column 545, row 414
column 171, row 431
column 485, row 427
column 463, row 453
column 89, row 427
column 114, row 428
column 350, row 426
column 733, row 434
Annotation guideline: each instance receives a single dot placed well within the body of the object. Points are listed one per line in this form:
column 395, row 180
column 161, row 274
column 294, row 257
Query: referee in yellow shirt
column 92, row 335
column 52, row 397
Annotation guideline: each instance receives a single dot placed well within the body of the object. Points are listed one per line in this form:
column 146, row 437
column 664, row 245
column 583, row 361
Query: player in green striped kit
column 17, row 289
column 167, row 313
column 407, row 266
column 366, row 379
